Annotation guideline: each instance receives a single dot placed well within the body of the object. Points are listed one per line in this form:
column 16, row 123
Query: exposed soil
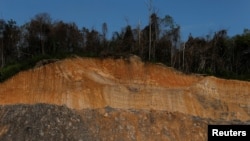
column 117, row 99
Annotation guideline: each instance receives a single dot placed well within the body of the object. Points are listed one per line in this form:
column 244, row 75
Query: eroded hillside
column 126, row 85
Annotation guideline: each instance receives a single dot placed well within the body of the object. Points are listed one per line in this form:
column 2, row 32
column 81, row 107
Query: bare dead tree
column 149, row 5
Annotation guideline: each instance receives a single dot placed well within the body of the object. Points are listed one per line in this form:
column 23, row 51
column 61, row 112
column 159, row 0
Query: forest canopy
column 21, row 46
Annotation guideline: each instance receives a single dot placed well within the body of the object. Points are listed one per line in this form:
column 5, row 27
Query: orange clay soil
column 81, row 83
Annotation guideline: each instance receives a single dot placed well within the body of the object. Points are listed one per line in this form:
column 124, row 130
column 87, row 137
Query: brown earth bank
column 119, row 99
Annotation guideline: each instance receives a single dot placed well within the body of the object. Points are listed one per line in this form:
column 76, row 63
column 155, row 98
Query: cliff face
column 129, row 84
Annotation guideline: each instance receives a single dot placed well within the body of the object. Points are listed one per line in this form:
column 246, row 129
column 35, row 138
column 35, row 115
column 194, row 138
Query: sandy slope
column 81, row 83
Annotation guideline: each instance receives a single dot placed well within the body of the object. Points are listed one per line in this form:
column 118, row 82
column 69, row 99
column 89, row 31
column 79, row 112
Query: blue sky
column 198, row 17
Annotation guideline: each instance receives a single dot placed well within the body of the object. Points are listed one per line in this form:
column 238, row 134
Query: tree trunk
column 2, row 54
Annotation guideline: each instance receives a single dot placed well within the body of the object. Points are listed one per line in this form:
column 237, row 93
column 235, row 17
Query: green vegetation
column 21, row 47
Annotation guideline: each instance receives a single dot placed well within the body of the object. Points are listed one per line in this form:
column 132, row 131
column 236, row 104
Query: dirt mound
column 130, row 84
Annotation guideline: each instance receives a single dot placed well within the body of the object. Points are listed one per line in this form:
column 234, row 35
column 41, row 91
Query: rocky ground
column 43, row 122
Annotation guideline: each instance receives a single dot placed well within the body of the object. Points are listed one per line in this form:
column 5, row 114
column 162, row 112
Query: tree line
column 159, row 41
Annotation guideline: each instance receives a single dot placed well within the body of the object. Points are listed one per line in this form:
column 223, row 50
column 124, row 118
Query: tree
column 104, row 43
column 155, row 31
column 104, row 31
column 218, row 53
column 74, row 37
column 93, row 42
column 150, row 30
column 39, row 29
column 116, row 44
column 2, row 29
column 138, row 35
column 128, row 40
column 11, row 38
column 195, row 55
column 171, row 31
column 59, row 37
column 241, row 53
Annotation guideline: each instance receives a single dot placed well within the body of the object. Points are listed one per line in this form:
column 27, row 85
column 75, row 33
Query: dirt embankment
column 51, row 122
column 129, row 84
